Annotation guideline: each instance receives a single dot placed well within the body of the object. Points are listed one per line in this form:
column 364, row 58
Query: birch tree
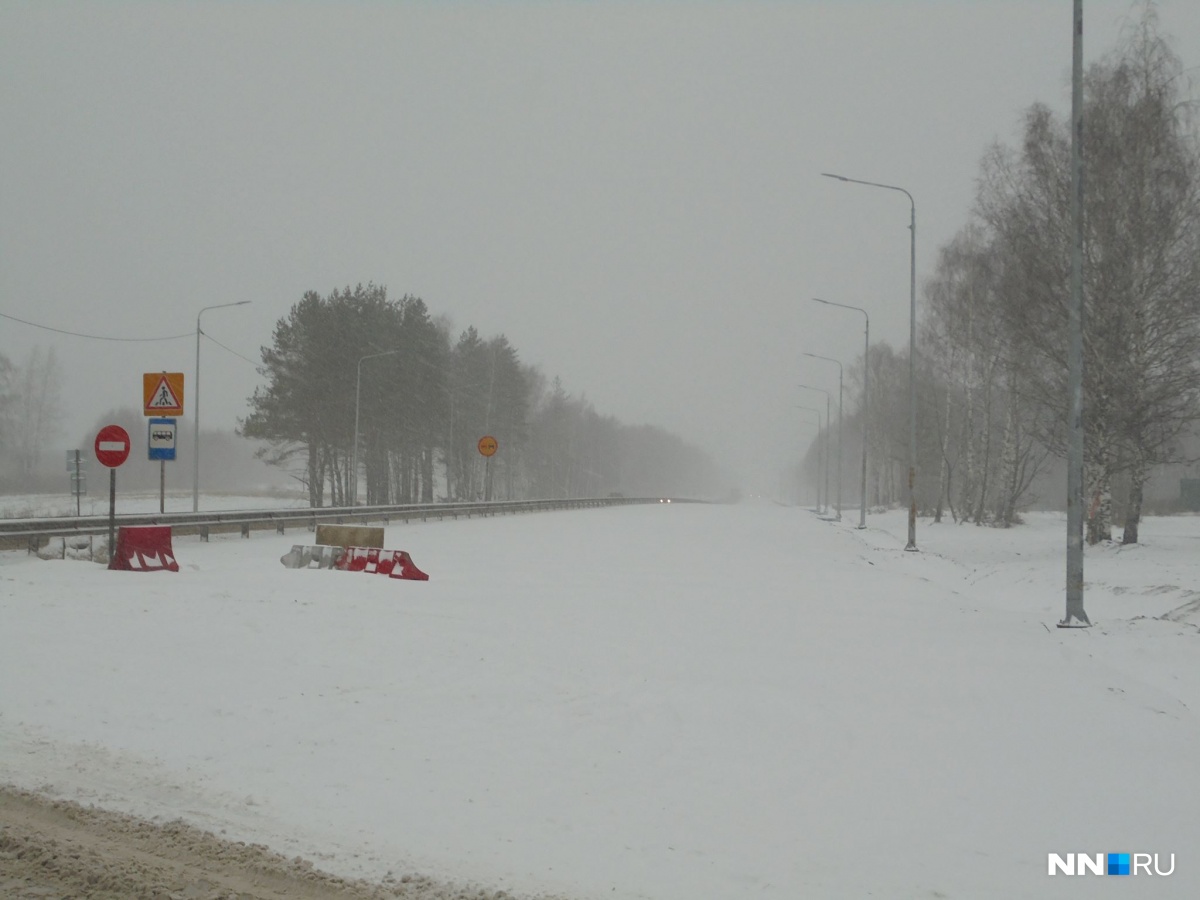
column 1141, row 264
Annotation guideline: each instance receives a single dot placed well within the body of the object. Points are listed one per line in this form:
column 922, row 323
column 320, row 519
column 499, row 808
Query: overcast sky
column 630, row 191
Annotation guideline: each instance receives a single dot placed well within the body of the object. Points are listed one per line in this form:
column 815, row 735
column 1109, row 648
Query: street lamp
column 1075, row 342
column 196, row 408
column 912, row 354
column 828, row 429
column 813, row 409
column 862, row 513
column 357, row 385
column 838, row 363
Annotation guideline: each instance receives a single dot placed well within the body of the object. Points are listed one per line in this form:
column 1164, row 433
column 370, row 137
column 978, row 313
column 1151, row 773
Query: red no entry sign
column 112, row 446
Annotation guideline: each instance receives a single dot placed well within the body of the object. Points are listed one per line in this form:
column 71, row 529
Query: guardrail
column 32, row 532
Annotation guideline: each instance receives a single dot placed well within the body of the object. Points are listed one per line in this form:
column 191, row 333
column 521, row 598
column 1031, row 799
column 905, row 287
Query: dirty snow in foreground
column 665, row 702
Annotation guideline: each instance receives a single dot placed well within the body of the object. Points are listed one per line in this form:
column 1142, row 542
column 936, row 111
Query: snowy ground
column 667, row 702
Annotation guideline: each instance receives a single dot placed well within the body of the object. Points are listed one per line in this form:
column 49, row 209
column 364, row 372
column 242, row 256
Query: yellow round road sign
column 488, row 445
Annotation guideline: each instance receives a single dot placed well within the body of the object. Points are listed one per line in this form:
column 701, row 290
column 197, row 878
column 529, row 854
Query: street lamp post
column 912, row 353
column 354, row 456
column 828, row 429
column 813, row 409
column 1075, row 341
column 196, row 407
column 862, row 513
column 838, row 363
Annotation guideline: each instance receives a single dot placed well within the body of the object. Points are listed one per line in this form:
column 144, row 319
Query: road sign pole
column 112, row 516
column 160, row 442
column 78, row 503
column 487, row 448
column 112, row 449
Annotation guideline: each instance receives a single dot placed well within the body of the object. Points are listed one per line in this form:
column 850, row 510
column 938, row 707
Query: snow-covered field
column 668, row 702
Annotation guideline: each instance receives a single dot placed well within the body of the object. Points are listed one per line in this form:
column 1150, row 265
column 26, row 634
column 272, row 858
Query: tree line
column 992, row 358
column 363, row 390
column 30, row 414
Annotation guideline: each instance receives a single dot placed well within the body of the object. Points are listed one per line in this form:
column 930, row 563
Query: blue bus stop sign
column 161, row 438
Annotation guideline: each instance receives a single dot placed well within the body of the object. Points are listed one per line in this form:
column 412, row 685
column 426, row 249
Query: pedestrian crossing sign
column 162, row 393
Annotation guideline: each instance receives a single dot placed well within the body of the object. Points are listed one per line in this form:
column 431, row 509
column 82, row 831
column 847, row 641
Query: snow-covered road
column 663, row 702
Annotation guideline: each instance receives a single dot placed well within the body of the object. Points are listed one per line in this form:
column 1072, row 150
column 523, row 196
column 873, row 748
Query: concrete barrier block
column 350, row 535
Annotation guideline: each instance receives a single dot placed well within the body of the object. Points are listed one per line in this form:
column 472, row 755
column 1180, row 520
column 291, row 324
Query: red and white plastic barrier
column 393, row 563
column 144, row 548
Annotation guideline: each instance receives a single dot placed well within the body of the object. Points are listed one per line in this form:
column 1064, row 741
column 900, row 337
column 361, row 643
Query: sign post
column 162, row 395
column 161, row 446
column 78, row 477
column 112, row 449
column 487, row 447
